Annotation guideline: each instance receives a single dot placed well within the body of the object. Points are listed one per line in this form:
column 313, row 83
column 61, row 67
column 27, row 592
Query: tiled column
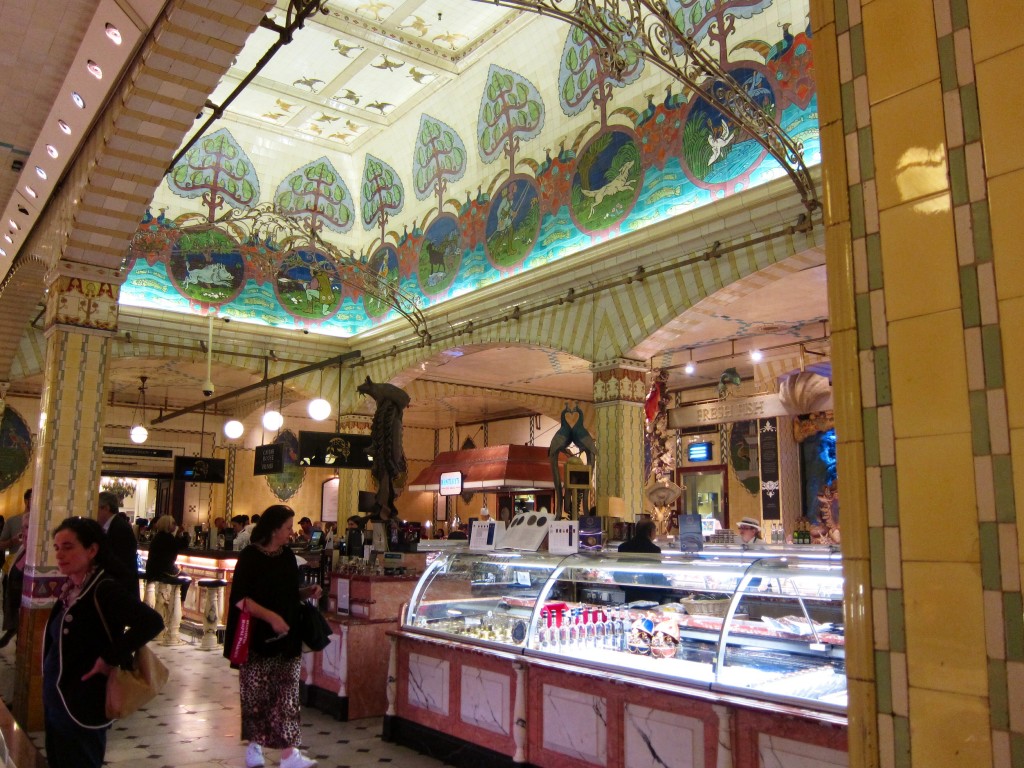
column 81, row 318
column 619, row 390
column 352, row 481
column 920, row 112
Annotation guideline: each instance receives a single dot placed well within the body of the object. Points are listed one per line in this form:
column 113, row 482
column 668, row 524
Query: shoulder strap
column 96, row 600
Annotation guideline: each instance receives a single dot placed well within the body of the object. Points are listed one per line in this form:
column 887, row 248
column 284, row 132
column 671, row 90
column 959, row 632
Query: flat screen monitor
column 335, row 450
column 367, row 501
column 199, row 469
column 316, row 540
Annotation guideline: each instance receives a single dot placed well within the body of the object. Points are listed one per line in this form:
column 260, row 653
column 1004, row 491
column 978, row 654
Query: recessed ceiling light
column 8, row 239
column 14, row 225
column 64, row 127
column 3, row 252
column 690, row 368
column 52, row 151
column 114, row 34
column 94, row 69
column 40, row 173
column 31, row 192
column 77, row 98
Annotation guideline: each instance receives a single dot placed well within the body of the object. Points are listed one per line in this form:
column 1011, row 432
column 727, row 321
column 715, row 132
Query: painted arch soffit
column 257, row 225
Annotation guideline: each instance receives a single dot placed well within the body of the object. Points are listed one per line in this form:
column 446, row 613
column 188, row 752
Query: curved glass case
column 766, row 625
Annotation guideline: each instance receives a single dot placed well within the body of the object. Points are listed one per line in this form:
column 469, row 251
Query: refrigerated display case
column 763, row 625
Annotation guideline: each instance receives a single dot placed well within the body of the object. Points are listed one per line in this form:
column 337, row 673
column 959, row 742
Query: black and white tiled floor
column 194, row 723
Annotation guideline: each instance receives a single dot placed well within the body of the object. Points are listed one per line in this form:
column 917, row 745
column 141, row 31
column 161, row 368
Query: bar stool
column 211, row 602
column 167, row 602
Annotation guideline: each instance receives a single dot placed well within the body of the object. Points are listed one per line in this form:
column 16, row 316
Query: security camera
column 208, row 388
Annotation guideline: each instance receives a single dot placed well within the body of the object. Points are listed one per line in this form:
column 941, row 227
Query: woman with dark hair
column 95, row 625
column 266, row 585
column 168, row 541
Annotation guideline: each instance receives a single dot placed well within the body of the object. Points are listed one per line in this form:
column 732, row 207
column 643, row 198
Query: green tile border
column 858, row 60
column 981, row 443
column 1013, row 625
column 992, row 355
column 873, row 246
column 991, row 575
column 890, row 496
column 862, row 304
column 1016, row 750
column 872, row 452
column 958, row 9
column 883, row 682
column 1002, row 477
column 958, row 175
column 969, row 300
column 897, row 622
column 876, row 548
column 901, row 741
column 866, row 153
column 970, row 112
column 998, row 695
column 849, row 106
column 982, row 231
column 947, row 63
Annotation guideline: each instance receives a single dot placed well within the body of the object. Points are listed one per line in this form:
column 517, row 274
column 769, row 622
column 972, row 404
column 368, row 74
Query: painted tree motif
column 583, row 76
column 438, row 159
column 383, row 194
column 511, row 111
column 316, row 195
column 217, row 170
column 698, row 18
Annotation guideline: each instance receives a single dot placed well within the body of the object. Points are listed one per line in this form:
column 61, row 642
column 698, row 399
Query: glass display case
column 764, row 625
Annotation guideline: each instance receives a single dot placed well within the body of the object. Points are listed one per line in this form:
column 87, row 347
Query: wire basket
column 706, row 607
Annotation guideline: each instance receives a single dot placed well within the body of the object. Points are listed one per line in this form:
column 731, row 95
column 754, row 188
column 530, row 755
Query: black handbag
column 314, row 631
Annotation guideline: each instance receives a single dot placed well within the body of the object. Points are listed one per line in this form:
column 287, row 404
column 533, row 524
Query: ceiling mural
column 619, row 157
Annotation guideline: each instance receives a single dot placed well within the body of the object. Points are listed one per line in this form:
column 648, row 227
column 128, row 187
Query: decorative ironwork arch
column 623, row 29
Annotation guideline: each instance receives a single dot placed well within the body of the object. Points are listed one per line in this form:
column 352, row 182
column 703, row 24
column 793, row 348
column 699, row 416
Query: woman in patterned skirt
column 266, row 586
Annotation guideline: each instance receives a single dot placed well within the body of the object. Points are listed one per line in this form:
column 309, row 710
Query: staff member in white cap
column 750, row 532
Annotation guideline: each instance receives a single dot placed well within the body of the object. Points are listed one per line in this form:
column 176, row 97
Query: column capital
column 83, row 297
column 619, row 362
column 620, row 383
column 355, row 423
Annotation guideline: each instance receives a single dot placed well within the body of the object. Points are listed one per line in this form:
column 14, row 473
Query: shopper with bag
column 263, row 640
column 95, row 626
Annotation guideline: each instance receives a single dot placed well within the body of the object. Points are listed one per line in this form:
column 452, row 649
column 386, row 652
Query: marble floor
column 194, row 723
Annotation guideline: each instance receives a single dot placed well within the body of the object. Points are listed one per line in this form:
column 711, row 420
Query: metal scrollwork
column 623, row 29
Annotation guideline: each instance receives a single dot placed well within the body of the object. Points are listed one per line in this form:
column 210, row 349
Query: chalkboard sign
column 269, row 459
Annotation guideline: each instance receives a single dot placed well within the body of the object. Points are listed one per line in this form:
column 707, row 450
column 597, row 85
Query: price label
column 485, row 535
column 564, row 537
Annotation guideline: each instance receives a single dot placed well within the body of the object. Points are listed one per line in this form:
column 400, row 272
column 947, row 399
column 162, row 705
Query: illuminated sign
column 451, row 484
column 698, row 452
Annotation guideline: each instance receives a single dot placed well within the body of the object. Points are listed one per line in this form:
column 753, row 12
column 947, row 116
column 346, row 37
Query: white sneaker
column 297, row 760
column 254, row 756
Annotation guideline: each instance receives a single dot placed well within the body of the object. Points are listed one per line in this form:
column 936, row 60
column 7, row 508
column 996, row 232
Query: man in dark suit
column 122, row 540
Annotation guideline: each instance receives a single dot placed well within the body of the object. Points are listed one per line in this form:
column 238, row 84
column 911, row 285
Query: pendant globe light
column 272, row 420
column 319, row 409
column 138, row 432
column 234, row 429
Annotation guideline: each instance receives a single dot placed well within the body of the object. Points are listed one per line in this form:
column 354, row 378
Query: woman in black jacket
column 266, row 586
column 95, row 625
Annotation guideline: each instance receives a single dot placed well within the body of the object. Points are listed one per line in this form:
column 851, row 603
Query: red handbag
column 240, row 645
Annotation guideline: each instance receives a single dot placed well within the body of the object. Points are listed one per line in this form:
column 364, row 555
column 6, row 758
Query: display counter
column 635, row 660
column 348, row 679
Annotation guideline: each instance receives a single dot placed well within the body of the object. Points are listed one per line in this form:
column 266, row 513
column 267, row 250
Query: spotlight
column 114, row 34
column 94, row 69
column 77, row 98
column 64, row 127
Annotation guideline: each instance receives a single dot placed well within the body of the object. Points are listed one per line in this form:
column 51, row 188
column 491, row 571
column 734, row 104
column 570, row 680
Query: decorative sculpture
column 567, row 435
column 389, row 466
column 662, row 494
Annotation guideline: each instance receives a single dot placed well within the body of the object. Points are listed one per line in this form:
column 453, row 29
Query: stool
column 167, row 602
column 211, row 601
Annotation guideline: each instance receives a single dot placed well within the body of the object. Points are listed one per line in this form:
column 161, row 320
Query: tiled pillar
column 81, row 318
column 352, row 481
column 620, row 387
column 920, row 106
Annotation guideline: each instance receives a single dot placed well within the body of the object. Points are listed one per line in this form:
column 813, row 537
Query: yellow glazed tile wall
column 903, row 56
column 910, row 145
column 954, row 734
column 937, row 519
column 1001, row 103
column 1005, row 195
column 944, row 655
column 1011, row 327
column 995, row 27
column 919, row 258
column 929, row 375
